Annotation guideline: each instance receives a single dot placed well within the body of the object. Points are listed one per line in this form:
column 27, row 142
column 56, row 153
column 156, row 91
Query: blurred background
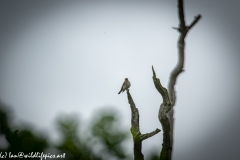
column 62, row 64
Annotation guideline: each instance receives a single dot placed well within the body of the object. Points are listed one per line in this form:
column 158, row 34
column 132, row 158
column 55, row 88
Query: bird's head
column 126, row 79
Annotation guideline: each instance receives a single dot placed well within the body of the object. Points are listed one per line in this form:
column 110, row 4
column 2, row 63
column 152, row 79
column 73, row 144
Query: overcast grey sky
column 72, row 56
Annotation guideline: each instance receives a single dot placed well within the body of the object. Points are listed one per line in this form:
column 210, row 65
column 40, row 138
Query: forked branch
column 135, row 130
column 183, row 29
column 166, row 112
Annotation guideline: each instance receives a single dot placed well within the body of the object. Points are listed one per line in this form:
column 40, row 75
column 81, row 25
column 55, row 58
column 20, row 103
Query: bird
column 126, row 85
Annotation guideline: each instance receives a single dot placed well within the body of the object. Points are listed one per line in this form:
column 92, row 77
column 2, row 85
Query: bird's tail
column 119, row 92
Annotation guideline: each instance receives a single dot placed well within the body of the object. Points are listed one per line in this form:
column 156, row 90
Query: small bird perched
column 126, row 85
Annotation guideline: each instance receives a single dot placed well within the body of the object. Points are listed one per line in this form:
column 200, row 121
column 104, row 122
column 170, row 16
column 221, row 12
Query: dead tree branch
column 165, row 107
column 166, row 111
column 183, row 29
column 135, row 130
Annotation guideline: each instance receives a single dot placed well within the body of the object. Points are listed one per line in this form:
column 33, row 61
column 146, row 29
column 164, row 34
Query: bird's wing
column 123, row 85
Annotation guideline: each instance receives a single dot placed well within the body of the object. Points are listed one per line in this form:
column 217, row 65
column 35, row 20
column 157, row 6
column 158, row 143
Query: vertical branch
column 135, row 115
column 135, row 130
column 181, row 14
column 163, row 119
column 183, row 29
column 165, row 114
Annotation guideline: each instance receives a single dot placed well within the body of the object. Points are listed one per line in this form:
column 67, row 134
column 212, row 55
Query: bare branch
column 181, row 46
column 173, row 77
column 135, row 115
column 176, row 28
column 182, row 26
column 163, row 119
column 130, row 100
column 181, row 15
column 165, row 114
column 163, row 91
column 148, row 135
column 135, row 130
column 197, row 18
column 183, row 29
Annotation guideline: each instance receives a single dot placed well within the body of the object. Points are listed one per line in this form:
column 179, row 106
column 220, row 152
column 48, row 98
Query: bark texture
column 135, row 130
column 166, row 110
column 165, row 107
